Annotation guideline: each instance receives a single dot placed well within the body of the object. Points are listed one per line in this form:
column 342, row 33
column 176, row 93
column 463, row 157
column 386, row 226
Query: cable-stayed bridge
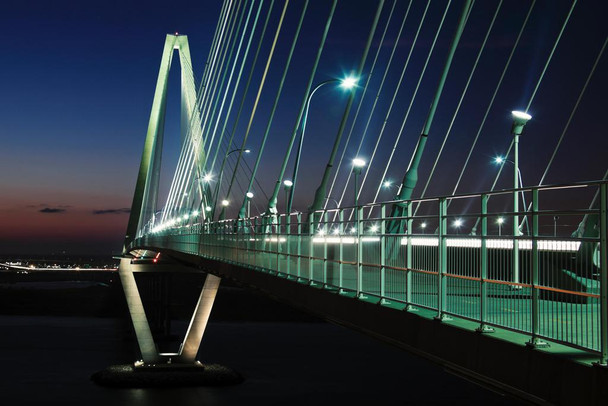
column 286, row 175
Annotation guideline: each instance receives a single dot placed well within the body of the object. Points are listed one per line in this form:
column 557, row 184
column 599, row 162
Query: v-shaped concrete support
column 145, row 340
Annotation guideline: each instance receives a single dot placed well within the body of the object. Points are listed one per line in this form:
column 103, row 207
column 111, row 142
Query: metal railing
column 545, row 284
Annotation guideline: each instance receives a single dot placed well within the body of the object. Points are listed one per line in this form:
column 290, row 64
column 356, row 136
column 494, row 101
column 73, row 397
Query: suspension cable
column 502, row 76
column 367, row 82
column 464, row 92
column 410, row 105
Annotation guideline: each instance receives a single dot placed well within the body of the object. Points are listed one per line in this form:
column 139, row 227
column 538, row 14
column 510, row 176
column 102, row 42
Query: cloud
column 112, row 211
column 45, row 205
column 51, row 210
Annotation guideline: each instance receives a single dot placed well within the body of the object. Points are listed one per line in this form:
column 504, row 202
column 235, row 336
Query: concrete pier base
column 173, row 364
column 166, row 376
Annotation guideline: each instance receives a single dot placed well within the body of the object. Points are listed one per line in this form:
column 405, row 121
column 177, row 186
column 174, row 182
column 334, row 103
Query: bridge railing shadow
column 541, row 271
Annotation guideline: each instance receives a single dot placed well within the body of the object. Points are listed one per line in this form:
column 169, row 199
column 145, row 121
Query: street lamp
column 221, row 174
column 287, row 184
column 358, row 165
column 555, row 218
column 387, row 184
column 499, row 160
column 423, row 226
column 457, row 224
column 500, row 221
column 519, row 121
column 346, row 83
column 249, row 197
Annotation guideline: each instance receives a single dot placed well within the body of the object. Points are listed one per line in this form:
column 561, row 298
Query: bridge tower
column 143, row 211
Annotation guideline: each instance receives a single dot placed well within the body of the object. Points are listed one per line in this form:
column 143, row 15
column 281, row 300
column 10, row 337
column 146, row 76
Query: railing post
column 299, row 261
column 483, row 268
column 442, row 253
column 311, row 236
column 534, row 340
column 382, row 251
column 604, row 273
column 409, row 259
column 359, row 212
column 278, row 244
column 325, row 227
column 288, row 240
column 341, row 265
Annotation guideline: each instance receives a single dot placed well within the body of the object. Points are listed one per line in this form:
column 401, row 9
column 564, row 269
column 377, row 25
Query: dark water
column 48, row 360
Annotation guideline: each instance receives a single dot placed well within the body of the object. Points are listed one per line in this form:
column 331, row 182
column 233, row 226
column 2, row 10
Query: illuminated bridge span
column 504, row 284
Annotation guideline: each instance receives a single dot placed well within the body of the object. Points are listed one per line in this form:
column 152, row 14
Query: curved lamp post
column 219, row 179
column 519, row 121
column 346, row 83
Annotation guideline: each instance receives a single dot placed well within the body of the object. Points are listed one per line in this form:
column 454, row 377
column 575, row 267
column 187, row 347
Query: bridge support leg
column 147, row 347
column 199, row 320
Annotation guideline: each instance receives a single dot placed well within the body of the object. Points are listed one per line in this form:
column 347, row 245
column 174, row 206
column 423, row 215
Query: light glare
column 348, row 82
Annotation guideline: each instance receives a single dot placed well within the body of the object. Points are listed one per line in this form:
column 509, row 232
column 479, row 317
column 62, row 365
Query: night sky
column 77, row 82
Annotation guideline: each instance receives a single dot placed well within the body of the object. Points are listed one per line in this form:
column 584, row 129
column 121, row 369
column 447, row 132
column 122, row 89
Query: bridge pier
column 145, row 340
column 157, row 369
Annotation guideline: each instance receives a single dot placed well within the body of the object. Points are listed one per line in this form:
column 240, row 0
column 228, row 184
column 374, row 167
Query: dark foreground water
column 48, row 360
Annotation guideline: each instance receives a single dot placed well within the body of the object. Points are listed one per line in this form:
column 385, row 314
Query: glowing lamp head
column 500, row 220
column 520, row 119
column 225, row 202
column 348, row 82
column 457, row 223
column 207, row 178
column 195, row 213
column 287, row 183
column 249, row 195
column 208, row 208
column 499, row 160
column 247, row 151
column 423, row 225
column 387, row 183
column 358, row 163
